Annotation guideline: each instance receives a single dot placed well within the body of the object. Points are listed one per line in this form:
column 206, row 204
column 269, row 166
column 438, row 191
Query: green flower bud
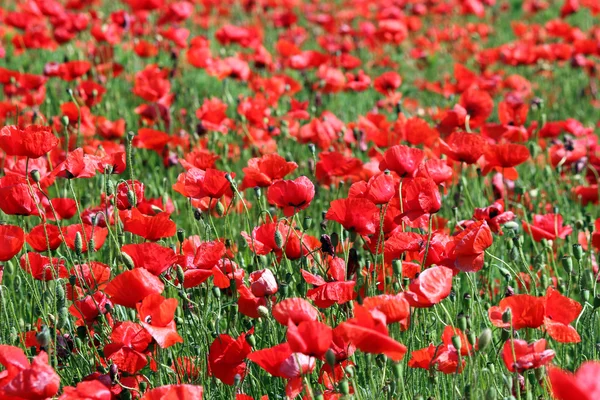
column 577, row 251
column 78, row 244
column 456, row 342
column 278, row 239
column 567, row 263
column 485, row 339
column 330, row 358
column 128, row 261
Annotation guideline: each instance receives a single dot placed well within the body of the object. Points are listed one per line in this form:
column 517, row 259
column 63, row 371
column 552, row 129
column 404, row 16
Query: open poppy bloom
column 469, row 247
column 354, row 214
column 263, row 171
column 157, row 316
column 128, row 346
column 12, row 239
column 526, row 355
column 178, row 392
column 554, row 311
column 292, row 196
column 130, row 287
column 583, row 384
column 226, row 357
column 402, row 160
column 22, row 380
column 430, row 287
column 152, row 228
column 295, row 310
column 444, row 357
column 369, row 333
column 32, row 141
column 548, row 226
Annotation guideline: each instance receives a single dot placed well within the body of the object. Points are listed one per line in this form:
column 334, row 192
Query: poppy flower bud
column 586, row 295
column 577, row 251
column 485, row 338
column 344, row 387
column 330, row 358
column 197, row 214
column 43, row 336
column 110, row 188
column 130, row 135
column 456, row 342
column 263, row 311
column 125, row 395
column 35, row 175
column 335, row 240
column 588, row 280
column 462, row 322
column 397, row 267
column 490, row 394
column 307, row 223
column 257, row 192
column 507, row 316
column 216, row 292
column 472, row 338
column 567, row 263
column 319, row 396
column 127, row 260
column 180, row 275
column 220, row 209
column 92, row 245
column 131, row 198
column 78, row 244
column 237, row 379
column 180, row 235
column 278, row 238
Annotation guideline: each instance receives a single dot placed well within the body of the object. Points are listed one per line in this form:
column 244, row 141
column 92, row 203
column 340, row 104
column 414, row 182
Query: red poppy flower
column 43, row 237
column 294, row 309
column 402, row 160
column 64, row 207
column 157, row 316
column 131, row 287
column 312, row 338
column 387, row 82
column 21, row 380
column 463, row 147
column 469, row 247
column 197, row 184
column 129, row 342
column 445, row 357
column 122, row 194
column 90, row 276
column 519, row 356
column 394, row 307
column 263, row 283
column 150, row 256
column 325, row 294
column 478, row 105
column 89, row 308
column 292, row 196
column 43, row 268
column 369, row 333
column 548, row 226
column 174, row 392
column 506, row 155
column 151, row 139
column 494, row 215
column 582, row 385
column 420, row 196
column 380, row 189
column 77, row 165
column 226, row 357
column 12, row 239
column 431, row 286
column 151, row 228
column 17, row 198
column 32, row 141
column 92, row 390
column 212, row 115
column 526, row 311
column 356, row 214
column 560, row 312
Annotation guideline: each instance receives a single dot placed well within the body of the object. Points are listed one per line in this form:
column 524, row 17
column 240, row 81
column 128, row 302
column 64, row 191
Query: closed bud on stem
column 180, row 275
column 278, row 238
column 78, row 244
column 577, row 251
column 397, row 267
column 257, row 192
column 567, row 263
column 263, row 311
column 330, row 358
column 344, row 387
column 507, row 316
column 307, row 223
column 43, row 336
column 35, row 175
column 472, row 338
column 456, row 342
column 220, row 209
column 127, row 260
column 180, row 235
column 485, row 339
column 462, row 322
column 131, row 198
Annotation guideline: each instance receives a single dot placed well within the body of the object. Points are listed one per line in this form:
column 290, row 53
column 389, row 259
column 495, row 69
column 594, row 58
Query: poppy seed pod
column 35, row 175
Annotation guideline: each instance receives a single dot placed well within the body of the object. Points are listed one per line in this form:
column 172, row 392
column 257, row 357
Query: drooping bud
column 485, row 339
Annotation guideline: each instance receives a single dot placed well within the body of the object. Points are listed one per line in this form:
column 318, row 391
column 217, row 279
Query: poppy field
column 299, row 199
